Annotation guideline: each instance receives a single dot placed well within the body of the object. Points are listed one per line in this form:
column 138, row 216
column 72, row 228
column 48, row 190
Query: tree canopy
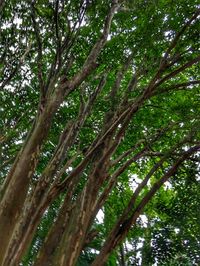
column 99, row 117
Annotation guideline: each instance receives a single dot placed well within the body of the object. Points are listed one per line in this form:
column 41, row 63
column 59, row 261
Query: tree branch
column 177, row 71
column 179, row 34
column 39, row 50
column 90, row 62
column 123, row 225
column 180, row 86
column 21, row 61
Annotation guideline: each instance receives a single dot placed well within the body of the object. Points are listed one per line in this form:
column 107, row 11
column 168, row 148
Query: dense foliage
column 99, row 132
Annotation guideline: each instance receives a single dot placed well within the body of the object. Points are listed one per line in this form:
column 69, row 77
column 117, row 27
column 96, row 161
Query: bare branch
column 90, row 62
column 71, row 131
column 179, row 34
column 177, row 71
column 144, row 152
column 39, row 50
column 21, row 61
column 2, row 2
column 128, row 152
column 113, row 178
column 66, row 166
column 126, row 220
column 164, row 64
column 119, row 77
column 180, row 86
column 94, row 95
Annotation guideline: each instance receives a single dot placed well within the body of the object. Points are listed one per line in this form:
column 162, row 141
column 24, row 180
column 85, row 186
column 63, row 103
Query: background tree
column 94, row 95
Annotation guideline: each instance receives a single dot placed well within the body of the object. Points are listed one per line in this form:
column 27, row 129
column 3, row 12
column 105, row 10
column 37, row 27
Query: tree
column 94, row 93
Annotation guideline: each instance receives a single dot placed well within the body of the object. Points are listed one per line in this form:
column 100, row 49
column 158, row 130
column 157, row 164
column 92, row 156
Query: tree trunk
column 15, row 189
column 77, row 228
column 48, row 249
